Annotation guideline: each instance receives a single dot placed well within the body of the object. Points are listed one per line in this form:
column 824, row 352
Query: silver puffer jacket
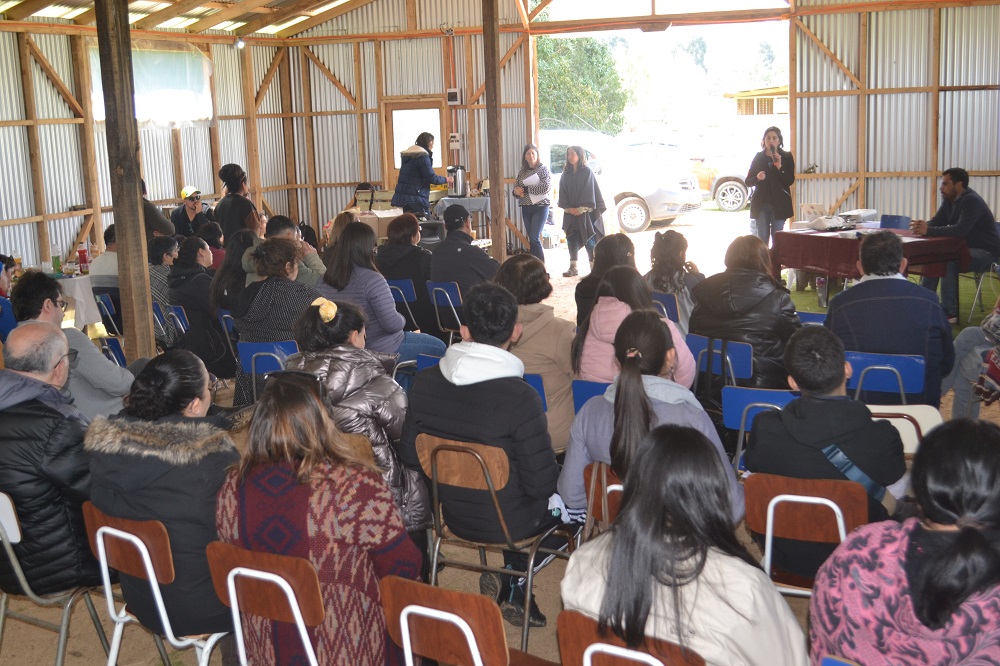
column 366, row 401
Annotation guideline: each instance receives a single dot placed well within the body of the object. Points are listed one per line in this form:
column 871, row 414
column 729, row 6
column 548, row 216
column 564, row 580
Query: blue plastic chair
column 264, row 357
column 739, row 359
column 179, row 318
column 667, row 305
column 404, row 293
column 113, row 350
column 228, row 326
column 425, row 361
column 812, row 318
column 536, row 383
column 885, row 373
column 159, row 319
column 829, row 660
column 894, row 222
column 740, row 406
column 107, row 309
column 584, row 391
column 446, row 295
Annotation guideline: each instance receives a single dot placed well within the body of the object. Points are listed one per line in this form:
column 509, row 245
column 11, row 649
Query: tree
column 697, row 48
column 579, row 86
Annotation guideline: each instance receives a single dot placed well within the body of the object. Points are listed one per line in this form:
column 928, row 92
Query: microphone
column 773, row 154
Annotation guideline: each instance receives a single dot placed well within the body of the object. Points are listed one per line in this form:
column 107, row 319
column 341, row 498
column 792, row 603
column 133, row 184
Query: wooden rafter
column 26, row 9
column 167, row 13
column 54, row 78
column 827, row 52
column 331, row 76
column 659, row 21
column 522, row 11
column 86, row 18
column 235, row 11
column 539, row 9
column 506, row 58
column 278, row 16
column 269, row 76
column 323, row 17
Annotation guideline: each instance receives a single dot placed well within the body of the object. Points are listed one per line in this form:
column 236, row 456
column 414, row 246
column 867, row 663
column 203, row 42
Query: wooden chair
column 448, row 626
column 140, row 549
column 486, row 468
column 604, row 498
column 912, row 422
column 276, row 587
column 789, row 508
column 579, row 640
column 10, row 534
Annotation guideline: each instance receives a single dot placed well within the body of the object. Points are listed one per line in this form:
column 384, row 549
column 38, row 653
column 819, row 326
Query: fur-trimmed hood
column 175, row 441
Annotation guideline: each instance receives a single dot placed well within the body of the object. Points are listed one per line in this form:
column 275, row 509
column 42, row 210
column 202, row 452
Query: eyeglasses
column 70, row 355
column 194, row 197
column 62, row 305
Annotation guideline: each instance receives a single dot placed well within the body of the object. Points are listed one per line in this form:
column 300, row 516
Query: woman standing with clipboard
column 532, row 191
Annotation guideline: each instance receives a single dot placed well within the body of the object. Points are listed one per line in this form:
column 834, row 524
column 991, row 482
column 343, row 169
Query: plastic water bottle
column 56, row 259
column 821, row 293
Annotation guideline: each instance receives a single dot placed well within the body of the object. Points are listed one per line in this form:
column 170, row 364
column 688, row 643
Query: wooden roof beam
column 539, row 9
column 323, row 17
column 648, row 22
column 167, row 13
column 522, row 12
column 27, row 8
column 279, row 16
column 228, row 14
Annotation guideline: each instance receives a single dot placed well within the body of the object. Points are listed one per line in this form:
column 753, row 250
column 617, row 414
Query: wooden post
column 494, row 127
column 213, row 131
column 34, row 144
column 177, row 146
column 115, row 49
column 253, row 145
column 288, row 129
column 88, row 151
column 863, row 99
column 307, row 121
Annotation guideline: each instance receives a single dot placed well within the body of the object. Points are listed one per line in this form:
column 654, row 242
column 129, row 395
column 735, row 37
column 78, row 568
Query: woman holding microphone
column 772, row 172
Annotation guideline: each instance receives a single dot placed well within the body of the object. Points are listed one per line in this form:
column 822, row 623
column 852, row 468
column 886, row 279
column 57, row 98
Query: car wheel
column 633, row 215
column 731, row 196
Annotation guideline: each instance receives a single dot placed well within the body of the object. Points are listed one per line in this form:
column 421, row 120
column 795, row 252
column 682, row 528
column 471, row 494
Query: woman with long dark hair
column 162, row 251
column 610, row 427
column 333, row 509
column 236, row 211
column 402, row 258
column 583, row 207
column 211, row 233
column 672, row 568
column 531, row 187
column 231, row 278
column 673, row 274
column 622, row 290
column 924, row 590
column 353, row 276
column 611, row 251
column 771, row 174
column 416, row 175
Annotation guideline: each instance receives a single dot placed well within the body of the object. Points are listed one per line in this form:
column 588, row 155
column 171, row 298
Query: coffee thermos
column 459, row 186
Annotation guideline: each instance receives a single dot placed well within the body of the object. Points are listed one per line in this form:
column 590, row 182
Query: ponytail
column 633, row 414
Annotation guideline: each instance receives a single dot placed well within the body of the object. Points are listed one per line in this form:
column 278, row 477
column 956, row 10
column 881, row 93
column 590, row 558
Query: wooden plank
column 411, row 14
column 86, row 18
column 25, row 9
column 539, row 8
column 234, row 11
column 362, row 143
column 92, row 222
column 470, row 114
column 522, row 12
column 309, row 137
column 253, row 145
column 503, row 62
column 494, row 126
column 213, row 130
column 827, row 52
column 178, row 158
column 934, row 138
column 54, row 78
column 660, row 21
column 321, row 66
column 34, row 144
column 279, row 16
column 843, row 197
column 272, row 69
column 793, row 95
column 531, row 90
column 167, row 13
column 115, row 49
column 288, row 132
column 40, row 122
column 323, row 17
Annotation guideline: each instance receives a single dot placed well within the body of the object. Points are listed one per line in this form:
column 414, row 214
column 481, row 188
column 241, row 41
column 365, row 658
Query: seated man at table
column 887, row 314
column 96, row 384
column 964, row 214
column 456, row 259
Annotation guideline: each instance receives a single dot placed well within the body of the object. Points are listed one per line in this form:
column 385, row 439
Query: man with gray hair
column 43, row 466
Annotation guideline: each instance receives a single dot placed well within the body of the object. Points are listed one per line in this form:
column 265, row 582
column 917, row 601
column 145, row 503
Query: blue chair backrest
column 226, row 319
column 894, row 222
column 441, row 292
column 812, row 317
column 536, row 383
column 740, row 356
column 584, row 391
column 104, row 301
column 112, row 348
column 667, row 304
column 158, row 313
column 737, row 399
column 181, row 316
column 836, row 661
column 265, row 364
column 885, row 373
column 402, row 291
column 425, row 361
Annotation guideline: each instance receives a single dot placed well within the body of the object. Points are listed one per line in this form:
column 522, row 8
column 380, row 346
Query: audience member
column 478, row 394
column 745, row 304
column 191, row 214
column 231, row 278
column 235, row 211
column 361, row 187
column 7, row 266
column 672, row 568
column 403, row 259
column 924, row 590
column 546, row 341
column 610, row 427
column 333, row 510
column 7, row 320
column 162, row 252
column 153, row 218
column 622, row 290
column 43, row 467
column 611, row 251
column 332, row 229
column 266, row 311
column 104, row 267
column 308, row 235
column 803, row 439
column 190, row 287
column 456, row 259
column 963, row 214
column 673, row 274
column 353, row 276
column 311, row 267
column 972, row 351
column 211, row 233
column 164, row 459
column 96, row 384
column 887, row 314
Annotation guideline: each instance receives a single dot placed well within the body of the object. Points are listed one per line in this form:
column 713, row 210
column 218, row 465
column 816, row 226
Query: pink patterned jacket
column 861, row 608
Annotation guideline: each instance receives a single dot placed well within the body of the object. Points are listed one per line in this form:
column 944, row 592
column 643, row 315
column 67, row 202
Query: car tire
column 633, row 215
column 731, row 196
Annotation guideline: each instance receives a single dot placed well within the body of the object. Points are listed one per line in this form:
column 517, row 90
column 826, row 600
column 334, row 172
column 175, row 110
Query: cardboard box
column 379, row 220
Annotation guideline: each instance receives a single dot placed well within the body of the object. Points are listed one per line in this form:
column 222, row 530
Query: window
column 407, row 124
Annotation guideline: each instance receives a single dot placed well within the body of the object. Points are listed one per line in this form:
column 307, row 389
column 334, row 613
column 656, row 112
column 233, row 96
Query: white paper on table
column 532, row 180
column 535, row 198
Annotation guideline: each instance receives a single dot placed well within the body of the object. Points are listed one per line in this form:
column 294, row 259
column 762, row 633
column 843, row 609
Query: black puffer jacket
column 46, row 472
column 368, row 402
column 168, row 470
column 748, row 306
column 410, row 262
column 190, row 287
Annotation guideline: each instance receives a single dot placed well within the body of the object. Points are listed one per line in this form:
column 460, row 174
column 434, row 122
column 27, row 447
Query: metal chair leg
column 103, row 637
column 161, row 649
column 67, row 613
column 116, row 645
column 4, row 600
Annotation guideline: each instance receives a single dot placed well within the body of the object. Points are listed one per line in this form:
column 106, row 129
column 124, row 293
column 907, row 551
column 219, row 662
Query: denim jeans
column 534, row 221
column 574, row 243
column 981, row 260
column 419, row 343
column 764, row 225
column 970, row 347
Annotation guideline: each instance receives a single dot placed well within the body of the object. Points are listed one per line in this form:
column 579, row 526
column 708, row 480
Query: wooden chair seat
column 578, row 631
column 604, row 498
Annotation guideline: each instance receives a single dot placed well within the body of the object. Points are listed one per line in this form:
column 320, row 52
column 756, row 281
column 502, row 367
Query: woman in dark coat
column 745, row 304
column 772, row 172
column 403, row 259
column 416, row 175
column 190, row 284
column 583, row 206
column 163, row 459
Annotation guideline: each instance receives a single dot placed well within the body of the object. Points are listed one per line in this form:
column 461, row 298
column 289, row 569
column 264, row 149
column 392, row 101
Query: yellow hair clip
column 327, row 309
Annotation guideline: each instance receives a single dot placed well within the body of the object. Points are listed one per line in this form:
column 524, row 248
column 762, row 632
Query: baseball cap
column 189, row 191
column 454, row 216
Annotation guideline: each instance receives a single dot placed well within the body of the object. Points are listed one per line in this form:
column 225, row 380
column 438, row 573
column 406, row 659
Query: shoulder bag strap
column 854, row 473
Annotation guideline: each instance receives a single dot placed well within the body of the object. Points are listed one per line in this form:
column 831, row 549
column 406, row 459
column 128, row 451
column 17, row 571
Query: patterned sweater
column 345, row 522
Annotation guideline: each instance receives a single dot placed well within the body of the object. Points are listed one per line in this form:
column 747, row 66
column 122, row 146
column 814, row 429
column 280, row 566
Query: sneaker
column 571, row 272
column 513, row 609
column 491, row 585
column 952, row 319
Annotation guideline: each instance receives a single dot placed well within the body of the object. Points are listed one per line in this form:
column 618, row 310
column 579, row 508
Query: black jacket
column 184, row 225
column 235, row 212
column 46, row 472
column 748, row 306
column 774, row 188
column 410, row 262
column 168, row 470
column 456, row 259
column 191, row 288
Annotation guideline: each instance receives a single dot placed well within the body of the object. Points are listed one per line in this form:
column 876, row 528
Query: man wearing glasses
column 191, row 214
column 96, row 384
column 43, row 466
